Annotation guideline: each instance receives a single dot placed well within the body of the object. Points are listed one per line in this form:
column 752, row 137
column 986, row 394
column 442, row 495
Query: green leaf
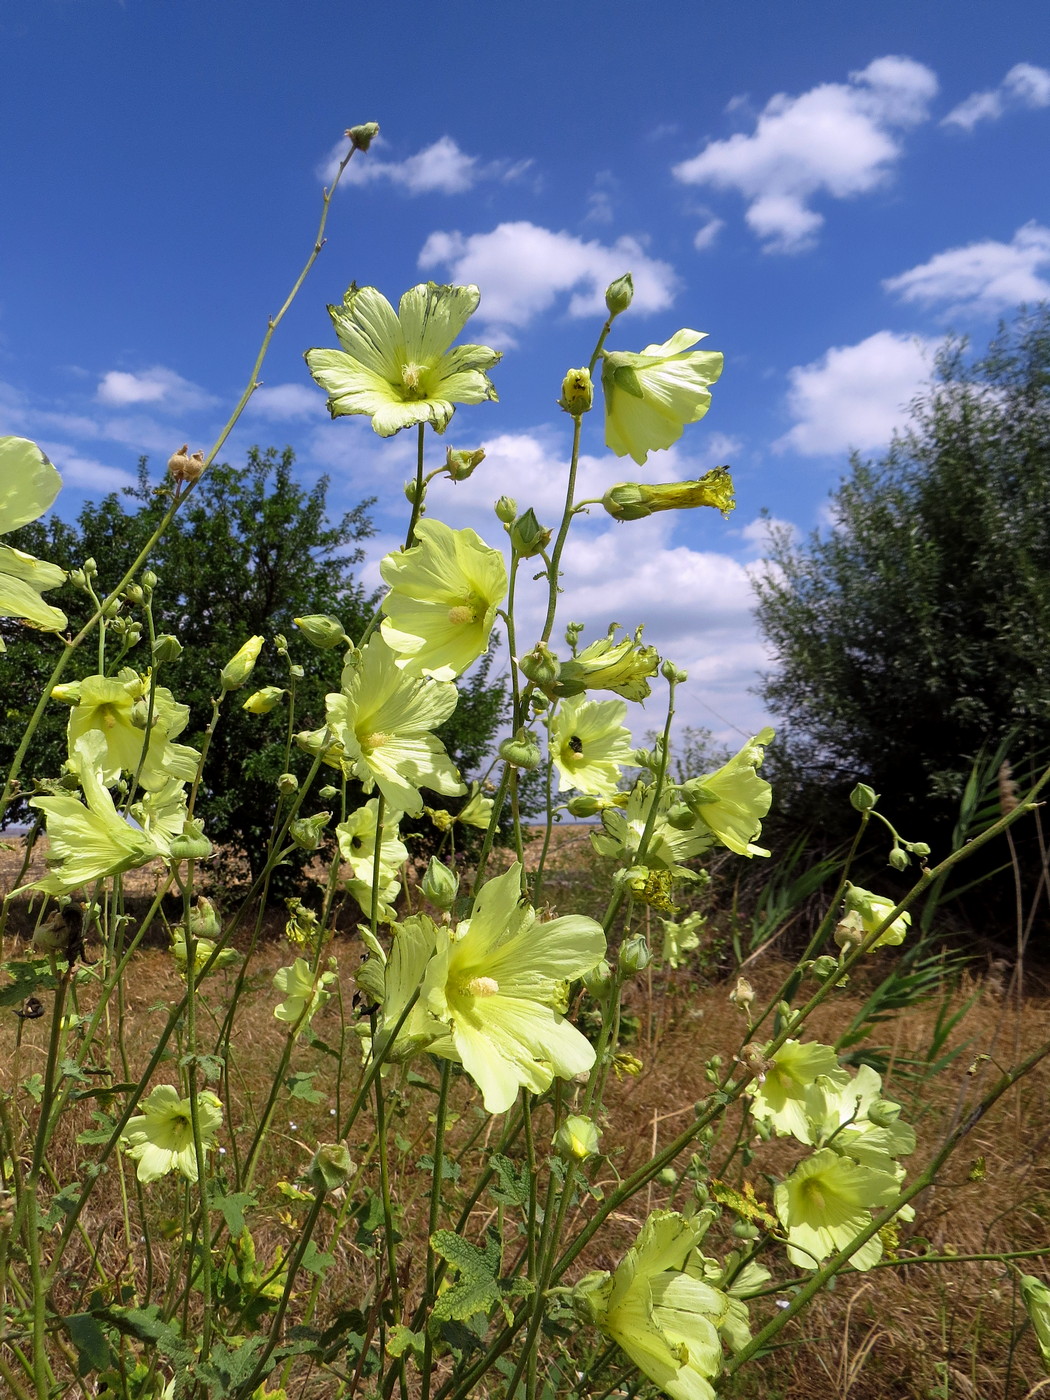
column 477, row 1289
column 101, row 1133
column 450, row 1168
column 227, row 1369
column 314, row 1261
column 402, row 1339
column 231, row 1206
column 301, row 1086
column 87, row 1335
column 63, row 1203
column 513, row 1187
column 29, row 978
column 145, row 1325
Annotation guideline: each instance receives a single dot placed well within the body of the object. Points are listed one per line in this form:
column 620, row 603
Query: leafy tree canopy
column 917, row 629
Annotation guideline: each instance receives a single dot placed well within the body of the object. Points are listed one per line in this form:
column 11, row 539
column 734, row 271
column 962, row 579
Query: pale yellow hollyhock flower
column 668, row 847
column 1036, row 1297
column 588, row 743
column 781, row 1100
column 357, row 847
column 401, row 368
column 634, row 500
column 29, row 484
column 381, row 726
column 117, row 707
column 872, row 909
column 89, row 840
column 665, row 1319
column 304, row 992
column 732, row 802
column 856, row 1120
column 681, row 937
column 499, row 983
column 623, row 666
column 825, row 1203
column 161, row 1137
column 443, row 597
column 477, row 810
column 649, row 398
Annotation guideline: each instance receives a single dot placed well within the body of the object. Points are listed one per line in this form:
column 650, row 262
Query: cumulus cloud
column 440, row 168
column 839, row 139
column 1026, row 85
column 854, row 396
column 706, row 236
column 281, row 402
column 985, row 277
column 86, row 472
column 522, row 269
column 163, row 387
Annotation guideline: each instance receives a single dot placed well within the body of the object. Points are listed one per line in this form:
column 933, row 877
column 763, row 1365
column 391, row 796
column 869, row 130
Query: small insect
column 576, row 744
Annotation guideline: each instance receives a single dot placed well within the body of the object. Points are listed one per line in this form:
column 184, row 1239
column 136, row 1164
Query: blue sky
column 826, row 189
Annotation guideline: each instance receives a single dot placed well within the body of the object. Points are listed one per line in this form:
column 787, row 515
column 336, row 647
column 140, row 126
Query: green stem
column 435, row 1217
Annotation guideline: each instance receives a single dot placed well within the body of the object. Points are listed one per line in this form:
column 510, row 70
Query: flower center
column 412, row 381
column 369, row 742
column 483, row 986
column 462, row 614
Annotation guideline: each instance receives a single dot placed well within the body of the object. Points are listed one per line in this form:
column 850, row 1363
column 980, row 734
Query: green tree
column 917, row 628
column 250, row 551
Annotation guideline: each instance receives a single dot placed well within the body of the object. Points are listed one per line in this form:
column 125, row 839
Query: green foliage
column 914, row 632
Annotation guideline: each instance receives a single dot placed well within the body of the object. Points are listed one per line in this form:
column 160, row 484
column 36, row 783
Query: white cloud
column 440, row 168
column 856, row 395
column 284, row 401
column 158, row 386
column 1026, row 85
column 985, row 277
column 759, row 532
column 86, row 472
column 719, row 447
column 522, row 269
column 838, row 139
column 705, row 236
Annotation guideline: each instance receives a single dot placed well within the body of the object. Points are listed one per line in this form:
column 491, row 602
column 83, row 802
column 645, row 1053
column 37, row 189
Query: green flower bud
column 577, row 392
column 863, row 798
column 681, row 817
column 166, row 648
column 577, row 1139
column 440, row 885
column 306, row 831
column 134, row 594
column 149, row 579
column 204, row 920
column 90, row 567
column 506, row 509
column 296, row 673
column 619, row 294
column 883, row 1113
column 522, row 751
column 528, row 537
column 331, row 1167
column 140, row 713
column 328, row 792
column 823, row 967
column 599, row 980
column 322, row 631
column 287, row 784
column 191, row 845
column 539, row 702
column 303, row 929
column 460, row 462
column 744, row 1230
column 667, row 1177
column 261, row 702
column 634, row 956
column 898, row 858
column 414, row 491
column 918, row 848
column 584, row 805
column 674, row 674
column 239, row 667
column 540, row 666
column 361, row 137
column 78, row 578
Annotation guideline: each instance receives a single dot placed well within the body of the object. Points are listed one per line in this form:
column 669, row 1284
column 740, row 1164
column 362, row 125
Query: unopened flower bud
column 619, row 294
column 528, row 537
column 667, row 1177
column 134, row 594
column 191, row 845
column 584, row 805
column 78, row 578
column 599, row 980
column 506, row 509
column 331, row 1167
column 261, row 702
column 322, row 631
column 460, row 462
column 540, row 666
column 361, row 137
column 577, row 1139
column 898, row 858
column 521, row 751
column 166, row 647
column 577, row 392
column 681, row 817
column 919, row 848
column 744, row 1230
column 239, row 667
column 823, row 967
column 743, row 994
column 863, row 798
column 140, row 713
column 883, row 1113
column 306, row 831
column 634, row 956
column 328, row 792
column 440, row 885
column 414, row 491
column 287, row 784
column 149, row 579
column 673, row 673
column 183, row 467
column 204, row 919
